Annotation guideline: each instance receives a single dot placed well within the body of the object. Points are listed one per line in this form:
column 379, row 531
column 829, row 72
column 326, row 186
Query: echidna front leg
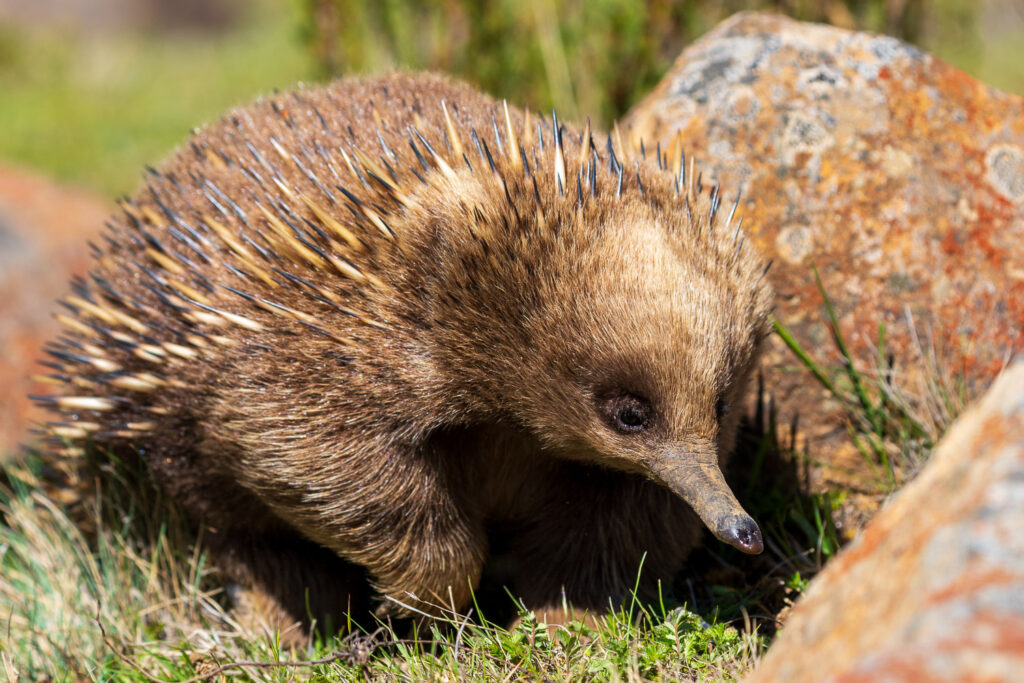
column 418, row 548
column 425, row 563
column 392, row 512
column 355, row 482
column 422, row 545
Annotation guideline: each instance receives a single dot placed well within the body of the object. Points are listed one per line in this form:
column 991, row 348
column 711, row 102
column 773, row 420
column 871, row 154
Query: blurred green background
column 90, row 90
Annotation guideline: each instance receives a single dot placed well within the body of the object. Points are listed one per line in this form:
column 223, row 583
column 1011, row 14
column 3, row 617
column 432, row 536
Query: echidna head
column 641, row 350
column 618, row 322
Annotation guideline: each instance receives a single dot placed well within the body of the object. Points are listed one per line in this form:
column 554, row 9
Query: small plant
column 885, row 423
column 797, row 583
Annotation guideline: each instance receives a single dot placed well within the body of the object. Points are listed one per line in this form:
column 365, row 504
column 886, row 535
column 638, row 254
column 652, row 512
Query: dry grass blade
column 356, row 654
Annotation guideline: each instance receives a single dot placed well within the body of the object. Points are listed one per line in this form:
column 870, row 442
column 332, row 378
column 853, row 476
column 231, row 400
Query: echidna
column 351, row 328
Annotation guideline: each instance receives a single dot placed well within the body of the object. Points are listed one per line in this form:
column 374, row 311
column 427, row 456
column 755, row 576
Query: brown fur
column 462, row 378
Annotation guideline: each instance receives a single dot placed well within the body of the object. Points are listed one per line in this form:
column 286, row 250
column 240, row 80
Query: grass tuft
column 70, row 600
column 892, row 427
column 131, row 598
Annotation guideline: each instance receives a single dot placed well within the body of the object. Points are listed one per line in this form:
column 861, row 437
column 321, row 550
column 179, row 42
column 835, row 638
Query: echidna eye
column 721, row 408
column 629, row 414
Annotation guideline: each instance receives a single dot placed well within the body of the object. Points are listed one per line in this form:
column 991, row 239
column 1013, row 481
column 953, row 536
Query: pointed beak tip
column 744, row 534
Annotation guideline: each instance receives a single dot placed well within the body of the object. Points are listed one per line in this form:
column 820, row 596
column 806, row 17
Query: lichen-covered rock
column 43, row 232
column 900, row 178
column 933, row 589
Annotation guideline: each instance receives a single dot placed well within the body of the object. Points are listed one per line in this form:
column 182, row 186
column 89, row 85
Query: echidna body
column 351, row 328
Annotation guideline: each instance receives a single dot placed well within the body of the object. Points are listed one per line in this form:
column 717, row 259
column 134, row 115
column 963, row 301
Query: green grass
column 133, row 599
column 673, row 645
column 95, row 110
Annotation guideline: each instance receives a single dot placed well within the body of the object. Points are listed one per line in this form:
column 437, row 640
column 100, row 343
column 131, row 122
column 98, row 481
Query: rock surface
column 899, row 177
column 43, row 233
column 933, row 589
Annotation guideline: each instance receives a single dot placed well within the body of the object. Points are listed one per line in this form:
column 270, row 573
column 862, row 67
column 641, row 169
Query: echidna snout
column 699, row 481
